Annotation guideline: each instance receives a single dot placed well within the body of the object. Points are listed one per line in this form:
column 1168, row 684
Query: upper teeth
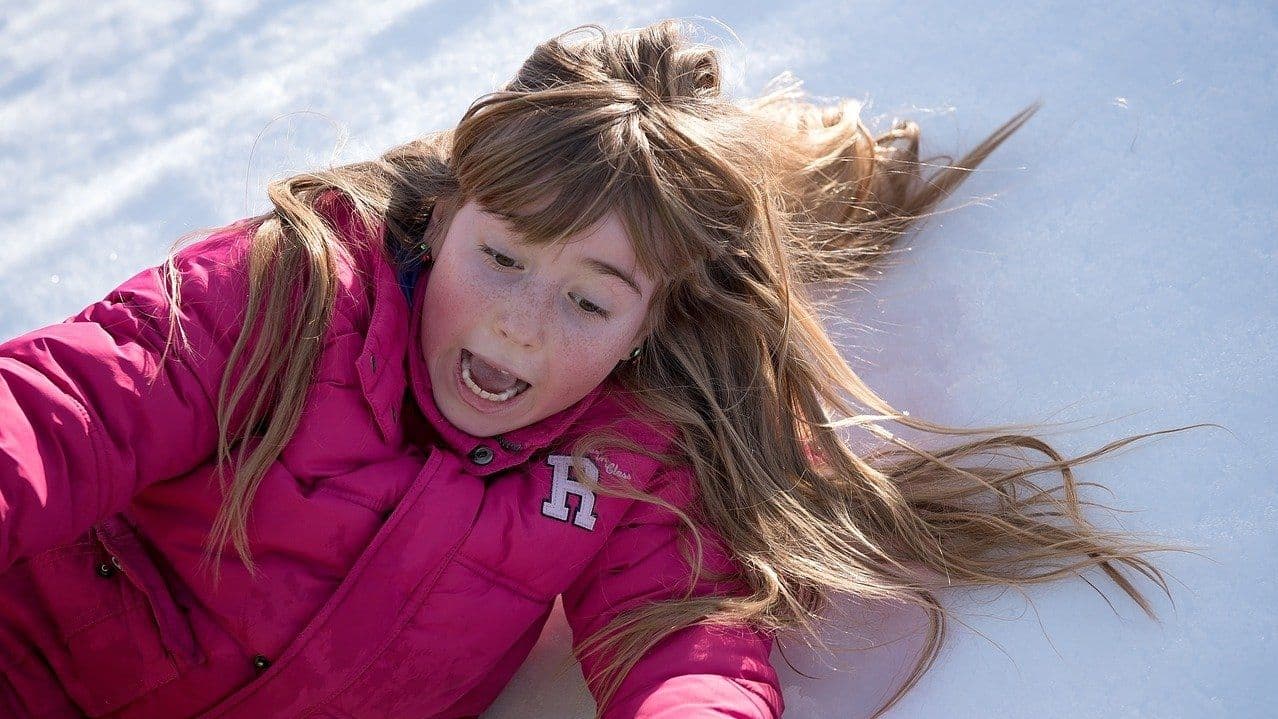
column 520, row 385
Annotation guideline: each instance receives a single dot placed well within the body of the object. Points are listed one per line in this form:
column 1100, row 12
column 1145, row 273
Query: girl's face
column 553, row 316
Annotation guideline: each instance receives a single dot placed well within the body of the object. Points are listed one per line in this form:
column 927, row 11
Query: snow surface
column 1114, row 268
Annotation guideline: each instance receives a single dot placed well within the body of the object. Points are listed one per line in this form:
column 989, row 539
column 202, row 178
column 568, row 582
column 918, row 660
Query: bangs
column 551, row 174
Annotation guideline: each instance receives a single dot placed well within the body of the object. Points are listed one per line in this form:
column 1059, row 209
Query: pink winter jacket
column 407, row 567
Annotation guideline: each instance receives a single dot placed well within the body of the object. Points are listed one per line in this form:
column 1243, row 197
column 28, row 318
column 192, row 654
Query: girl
column 563, row 349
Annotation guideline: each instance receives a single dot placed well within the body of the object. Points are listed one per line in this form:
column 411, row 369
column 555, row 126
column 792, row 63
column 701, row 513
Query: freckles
column 482, row 294
column 597, row 350
column 470, row 290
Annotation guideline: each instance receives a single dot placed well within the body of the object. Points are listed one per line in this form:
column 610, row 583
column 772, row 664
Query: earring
column 426, row 254
column 634, row 354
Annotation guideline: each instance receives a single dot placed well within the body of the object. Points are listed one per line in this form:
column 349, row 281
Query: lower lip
column 479, row 404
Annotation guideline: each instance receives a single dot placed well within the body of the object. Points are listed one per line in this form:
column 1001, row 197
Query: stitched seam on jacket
column 99, row 446
column 349, row 496
column 100, row 450
column 96, row 620
column 496, row 578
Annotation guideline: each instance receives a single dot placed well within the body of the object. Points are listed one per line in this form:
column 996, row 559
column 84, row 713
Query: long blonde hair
column 733, row 206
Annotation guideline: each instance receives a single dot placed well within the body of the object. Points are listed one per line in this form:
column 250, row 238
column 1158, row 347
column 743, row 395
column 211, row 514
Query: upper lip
column 498, row 365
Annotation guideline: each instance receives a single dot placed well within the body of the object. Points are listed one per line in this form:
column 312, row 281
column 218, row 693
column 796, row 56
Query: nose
column 522, row 318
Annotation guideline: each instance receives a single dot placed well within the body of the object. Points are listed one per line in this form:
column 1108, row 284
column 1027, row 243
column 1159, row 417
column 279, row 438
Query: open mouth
column 478, row 392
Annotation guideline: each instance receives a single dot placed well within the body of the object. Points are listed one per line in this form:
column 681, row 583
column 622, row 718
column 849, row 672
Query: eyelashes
column 494, row 260
column 493, row 254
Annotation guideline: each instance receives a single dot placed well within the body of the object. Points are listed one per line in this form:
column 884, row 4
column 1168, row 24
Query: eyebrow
column 603, row 268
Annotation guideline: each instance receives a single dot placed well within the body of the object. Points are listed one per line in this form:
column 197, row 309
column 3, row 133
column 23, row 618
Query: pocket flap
column 119, row 536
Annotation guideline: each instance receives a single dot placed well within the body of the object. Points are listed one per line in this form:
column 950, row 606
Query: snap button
column 106, row 569
column 481, row 455
column 261, row 663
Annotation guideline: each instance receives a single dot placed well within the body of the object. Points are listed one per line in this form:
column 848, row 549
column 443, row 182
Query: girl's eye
column 497, row 257
column 591, row 308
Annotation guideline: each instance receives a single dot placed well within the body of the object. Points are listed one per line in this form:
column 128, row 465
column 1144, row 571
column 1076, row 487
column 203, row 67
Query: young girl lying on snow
column 564, row 348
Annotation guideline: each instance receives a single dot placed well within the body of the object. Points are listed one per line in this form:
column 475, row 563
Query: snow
column 1113, row 269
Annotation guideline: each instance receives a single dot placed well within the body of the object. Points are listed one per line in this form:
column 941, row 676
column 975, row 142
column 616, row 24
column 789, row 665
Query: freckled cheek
column 468, row 297
column 455, row 306
column 593, row 356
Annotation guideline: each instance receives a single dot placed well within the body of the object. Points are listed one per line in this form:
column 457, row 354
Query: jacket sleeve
column 699, row 671
column 88, row 414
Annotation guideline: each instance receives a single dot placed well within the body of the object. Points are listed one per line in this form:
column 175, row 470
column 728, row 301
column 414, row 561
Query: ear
column 441, row 216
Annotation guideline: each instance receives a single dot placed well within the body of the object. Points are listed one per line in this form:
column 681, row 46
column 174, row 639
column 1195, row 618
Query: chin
column 471, row 424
